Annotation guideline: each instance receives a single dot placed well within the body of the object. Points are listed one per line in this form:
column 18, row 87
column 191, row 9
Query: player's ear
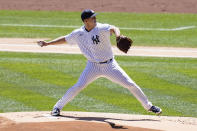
column 86, row 20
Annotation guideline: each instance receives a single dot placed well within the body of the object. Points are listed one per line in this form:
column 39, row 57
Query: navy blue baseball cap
column 87, row 14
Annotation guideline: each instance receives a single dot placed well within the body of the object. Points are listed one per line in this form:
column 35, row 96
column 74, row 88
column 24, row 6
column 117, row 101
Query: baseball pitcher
column 93, row 40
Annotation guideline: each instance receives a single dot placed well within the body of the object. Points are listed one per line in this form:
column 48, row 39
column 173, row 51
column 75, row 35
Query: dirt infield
column 173, row 6
column 29, row 45
column 91, row 121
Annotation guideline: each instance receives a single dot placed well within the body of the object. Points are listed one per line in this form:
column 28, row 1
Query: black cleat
column 55, row 112
column 155, row 110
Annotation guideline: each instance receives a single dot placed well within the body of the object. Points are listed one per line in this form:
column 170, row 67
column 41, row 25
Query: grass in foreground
column 30, row 81
column 180, row 38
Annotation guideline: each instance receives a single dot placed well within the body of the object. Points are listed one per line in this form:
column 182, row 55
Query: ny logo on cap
column 95, row 39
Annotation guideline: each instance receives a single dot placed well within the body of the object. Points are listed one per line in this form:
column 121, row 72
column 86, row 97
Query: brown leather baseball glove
column 124, row 43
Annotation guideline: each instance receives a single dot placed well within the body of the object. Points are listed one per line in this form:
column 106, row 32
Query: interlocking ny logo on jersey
column 95, row 39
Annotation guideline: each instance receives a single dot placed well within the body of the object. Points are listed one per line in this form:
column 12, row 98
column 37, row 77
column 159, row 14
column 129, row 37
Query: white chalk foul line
column 161, row 29
column 123, row 28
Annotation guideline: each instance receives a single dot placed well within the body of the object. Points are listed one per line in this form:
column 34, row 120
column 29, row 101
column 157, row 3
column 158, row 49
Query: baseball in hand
column 41, row 43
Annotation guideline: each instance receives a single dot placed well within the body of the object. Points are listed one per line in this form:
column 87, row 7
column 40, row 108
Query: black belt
column 106, row 61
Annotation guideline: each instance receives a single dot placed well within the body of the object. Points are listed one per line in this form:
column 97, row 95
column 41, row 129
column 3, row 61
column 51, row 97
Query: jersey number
column 95, row 39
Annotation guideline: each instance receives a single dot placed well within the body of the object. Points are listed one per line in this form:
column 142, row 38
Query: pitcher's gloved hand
column 124, row 43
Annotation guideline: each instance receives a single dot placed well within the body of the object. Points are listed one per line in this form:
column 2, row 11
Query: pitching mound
column 90, row 121
column 67, row 126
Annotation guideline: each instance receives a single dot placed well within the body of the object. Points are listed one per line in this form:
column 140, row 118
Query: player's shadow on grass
column 102, row 119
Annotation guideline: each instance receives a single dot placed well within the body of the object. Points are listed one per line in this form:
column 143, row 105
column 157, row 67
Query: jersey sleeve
column 71, row 38
column 106, row 27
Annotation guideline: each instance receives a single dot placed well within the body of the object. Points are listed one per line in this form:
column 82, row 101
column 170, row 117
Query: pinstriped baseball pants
column 111, row 71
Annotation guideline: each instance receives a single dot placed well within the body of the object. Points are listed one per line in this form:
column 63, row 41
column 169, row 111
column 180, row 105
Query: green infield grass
column 35, row 81
column 144, row 29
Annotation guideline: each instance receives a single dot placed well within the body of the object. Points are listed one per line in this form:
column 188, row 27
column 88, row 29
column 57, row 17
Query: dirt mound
column 69, row 126
column 4, row 122
column 91, row 121
column 174, row 6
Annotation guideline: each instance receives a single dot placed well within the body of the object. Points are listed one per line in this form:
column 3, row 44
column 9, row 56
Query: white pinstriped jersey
column 95, row 44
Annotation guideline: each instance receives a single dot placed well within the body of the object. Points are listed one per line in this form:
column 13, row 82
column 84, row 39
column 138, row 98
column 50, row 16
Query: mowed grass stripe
column 188, row 72
column 177, row 78
column 11, row 105
column 43, row 73
column 170, row 103
column 168, row 96
column 175, row 68
column 146, row 73
column 25, row 81
column 30, row 32
column 150, row 82
column 82, row 102
column 18, row 68
column 36, row 86
column 29, row 98
column 172, row 97
column 183, row 74
column 126, row 101
column 157, row 97
column 26, row 67
column 95, row 105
